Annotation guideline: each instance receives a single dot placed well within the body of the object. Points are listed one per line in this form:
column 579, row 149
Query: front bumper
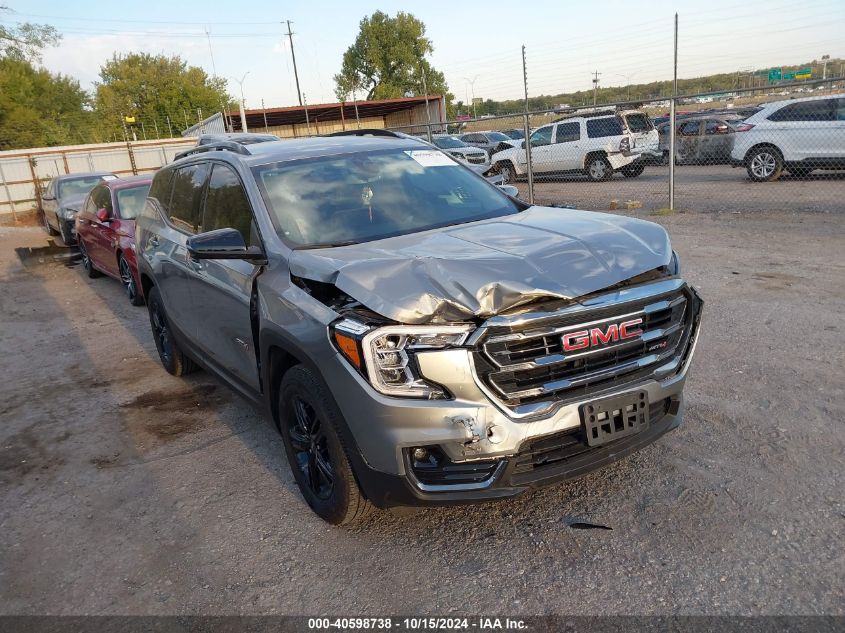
column 560, row 457
column 474, row 432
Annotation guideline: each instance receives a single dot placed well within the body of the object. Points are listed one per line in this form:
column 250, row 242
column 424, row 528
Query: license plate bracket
column 612, row 418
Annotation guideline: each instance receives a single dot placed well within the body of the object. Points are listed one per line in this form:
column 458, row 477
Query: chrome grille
column 526, row 365
column 476, row 159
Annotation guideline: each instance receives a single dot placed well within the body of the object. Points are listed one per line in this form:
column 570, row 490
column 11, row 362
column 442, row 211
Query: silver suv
column 416, row 334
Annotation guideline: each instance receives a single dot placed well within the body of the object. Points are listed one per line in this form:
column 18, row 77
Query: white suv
column 597, row 145
column 798, row 135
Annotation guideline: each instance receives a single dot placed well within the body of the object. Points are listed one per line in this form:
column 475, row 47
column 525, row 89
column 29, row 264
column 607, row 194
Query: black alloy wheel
column 128, row 281
column 309, row 442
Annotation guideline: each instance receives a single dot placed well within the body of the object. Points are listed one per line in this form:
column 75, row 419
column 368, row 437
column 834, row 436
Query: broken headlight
column 386, row 356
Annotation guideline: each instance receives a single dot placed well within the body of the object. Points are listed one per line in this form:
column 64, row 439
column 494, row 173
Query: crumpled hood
column 484, row 268
column 73, row 202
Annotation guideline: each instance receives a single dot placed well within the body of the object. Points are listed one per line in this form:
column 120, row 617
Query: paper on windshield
column 431, row 158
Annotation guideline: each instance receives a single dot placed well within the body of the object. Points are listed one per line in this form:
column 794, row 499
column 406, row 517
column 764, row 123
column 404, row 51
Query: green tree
column 38, row 108
column 154, row 89
column 387, row 60
column 25, row 40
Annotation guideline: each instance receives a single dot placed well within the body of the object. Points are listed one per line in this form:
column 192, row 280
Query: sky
column 476, row 44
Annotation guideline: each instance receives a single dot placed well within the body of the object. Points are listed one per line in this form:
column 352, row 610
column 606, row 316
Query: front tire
column 633, row 171
column 599, row 168
column 508, row 173
column 172, row 358
column 764, row 164
column 67, row 238
column 92, row 272
column 46, row 225
column 309, row 422
column 128, row 281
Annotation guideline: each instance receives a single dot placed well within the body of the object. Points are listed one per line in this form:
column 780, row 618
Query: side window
column 188, row 183
column 101, row 197
column 840, row 109
column 51, row 189
column 690, row 128
column 821, row 110
column 568, row 132
column 227, row 205
column 608, row 126
column 541, row 137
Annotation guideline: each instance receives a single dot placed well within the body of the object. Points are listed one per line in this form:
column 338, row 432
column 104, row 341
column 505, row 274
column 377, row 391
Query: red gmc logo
column 582, row 339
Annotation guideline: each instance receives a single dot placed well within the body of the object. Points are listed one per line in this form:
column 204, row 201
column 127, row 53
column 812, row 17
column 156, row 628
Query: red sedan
column 105, row 230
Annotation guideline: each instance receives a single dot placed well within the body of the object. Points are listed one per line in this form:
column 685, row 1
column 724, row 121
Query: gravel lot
column 124, row 490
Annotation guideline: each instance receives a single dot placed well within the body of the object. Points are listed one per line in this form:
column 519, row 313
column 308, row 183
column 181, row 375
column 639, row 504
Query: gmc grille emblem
column 594, row 337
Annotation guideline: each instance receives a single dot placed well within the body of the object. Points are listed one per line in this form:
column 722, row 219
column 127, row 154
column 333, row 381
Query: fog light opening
column 419, row 454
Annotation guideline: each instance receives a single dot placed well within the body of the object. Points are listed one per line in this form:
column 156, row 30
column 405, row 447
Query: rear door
column 644, row 137
column 102, row 234
column 223, row 288
column 716, row 142
column 687, row 141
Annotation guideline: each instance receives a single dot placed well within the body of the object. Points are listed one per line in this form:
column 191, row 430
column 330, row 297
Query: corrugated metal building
column 408, row 114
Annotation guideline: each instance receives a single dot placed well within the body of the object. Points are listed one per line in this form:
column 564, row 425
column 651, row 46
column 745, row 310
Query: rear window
column 448, row 142
column 608, row 126
column 497, row 136
column 188, row 184
column 638, row 122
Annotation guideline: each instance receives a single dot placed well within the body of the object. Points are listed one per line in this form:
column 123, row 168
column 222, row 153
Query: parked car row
column 797, row 136
column 417, row 335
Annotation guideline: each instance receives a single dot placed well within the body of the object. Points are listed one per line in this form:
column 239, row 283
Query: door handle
column 153, row 241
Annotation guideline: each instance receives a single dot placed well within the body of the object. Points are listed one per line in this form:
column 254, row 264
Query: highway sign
column 774, row 74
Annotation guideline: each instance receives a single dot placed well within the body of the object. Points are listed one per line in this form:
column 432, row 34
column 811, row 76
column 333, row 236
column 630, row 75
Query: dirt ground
column 124, row 490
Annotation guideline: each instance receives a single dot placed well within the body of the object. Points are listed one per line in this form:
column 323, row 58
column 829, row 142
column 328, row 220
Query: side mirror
column 523, row 145
column 222, row 244
column 103, row 215
column 512, row 191
column 44, row 196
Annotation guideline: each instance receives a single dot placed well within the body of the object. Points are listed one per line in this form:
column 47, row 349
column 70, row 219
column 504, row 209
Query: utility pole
column 672, row 123
column 527, row 129
column 307, row 121
column 241, row 104
column 595, row 86
column 471, row 82
column 211, row 52
column 427, row 110
column 264, row 112
column 293, row 55
column 824, row 67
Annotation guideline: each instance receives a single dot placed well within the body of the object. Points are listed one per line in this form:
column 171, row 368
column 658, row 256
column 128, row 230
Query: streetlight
column 241, row 104
column 628, row 82
column 824, row 67
column 471, row 82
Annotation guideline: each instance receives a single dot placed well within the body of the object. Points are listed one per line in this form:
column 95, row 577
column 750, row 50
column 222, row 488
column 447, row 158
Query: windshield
column 78, row 186
column 131, row 201
column 365, row 196
column 448, row 142
column 497, row 136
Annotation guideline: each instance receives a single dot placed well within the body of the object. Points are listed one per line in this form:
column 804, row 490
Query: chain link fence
column 780, row 147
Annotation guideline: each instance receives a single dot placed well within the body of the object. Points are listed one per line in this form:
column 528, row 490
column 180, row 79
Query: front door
column 566, row 154
column 101, row 232
column 223, row 288
column 542, row 152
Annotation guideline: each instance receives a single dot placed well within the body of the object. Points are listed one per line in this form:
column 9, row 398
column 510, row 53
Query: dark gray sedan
column 701, row 140
column 63, row 198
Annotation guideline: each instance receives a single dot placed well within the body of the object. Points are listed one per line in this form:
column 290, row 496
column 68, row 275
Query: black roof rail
column 230, row 146
column 373, row 132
